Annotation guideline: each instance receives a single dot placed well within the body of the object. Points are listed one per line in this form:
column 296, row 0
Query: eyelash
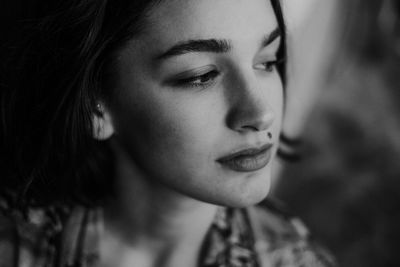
column 270, row 66
column 198, row 81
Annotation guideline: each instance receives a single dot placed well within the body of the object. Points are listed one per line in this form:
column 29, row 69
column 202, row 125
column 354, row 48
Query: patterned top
column 62, row 237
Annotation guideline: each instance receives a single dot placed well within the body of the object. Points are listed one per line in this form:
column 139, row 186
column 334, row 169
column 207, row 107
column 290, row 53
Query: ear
column 102, row 124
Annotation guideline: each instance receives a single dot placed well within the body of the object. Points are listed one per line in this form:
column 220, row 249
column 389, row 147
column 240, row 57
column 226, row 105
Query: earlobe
column 102, row 125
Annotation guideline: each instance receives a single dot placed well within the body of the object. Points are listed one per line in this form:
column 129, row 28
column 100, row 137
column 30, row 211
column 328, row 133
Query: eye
column 202, row 80
column 269, row 66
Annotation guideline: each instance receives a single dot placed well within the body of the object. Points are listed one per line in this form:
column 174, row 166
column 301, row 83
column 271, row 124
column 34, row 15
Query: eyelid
column 189, row 78
column 269, row 53
column 278, row 41
column 271, row 50
column 197, row 81
column 272, row 63
column 275, row 44
column 194, row 72
column 263, row 60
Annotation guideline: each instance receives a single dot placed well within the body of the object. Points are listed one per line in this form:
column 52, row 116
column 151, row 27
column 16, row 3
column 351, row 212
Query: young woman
column 138, row 133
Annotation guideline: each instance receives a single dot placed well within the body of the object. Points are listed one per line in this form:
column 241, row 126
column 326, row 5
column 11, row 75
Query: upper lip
column 251, row 151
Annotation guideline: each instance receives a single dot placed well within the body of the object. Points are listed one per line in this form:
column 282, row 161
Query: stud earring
column 99, row 108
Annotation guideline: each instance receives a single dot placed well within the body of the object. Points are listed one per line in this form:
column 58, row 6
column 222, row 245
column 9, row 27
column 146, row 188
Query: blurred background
column 343, row 110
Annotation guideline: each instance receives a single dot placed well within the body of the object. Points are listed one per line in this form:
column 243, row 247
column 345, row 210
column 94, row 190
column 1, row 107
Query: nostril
column 250, row 110
column 244, row 120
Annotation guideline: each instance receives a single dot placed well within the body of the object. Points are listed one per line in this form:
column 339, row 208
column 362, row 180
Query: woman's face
column 198, row 99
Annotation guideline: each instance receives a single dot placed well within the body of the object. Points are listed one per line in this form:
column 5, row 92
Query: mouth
column 248, row 160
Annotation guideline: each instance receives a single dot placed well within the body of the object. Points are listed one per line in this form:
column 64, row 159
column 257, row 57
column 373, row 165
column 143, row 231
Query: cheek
column 278, row 107
column 275, row 90
column 168, row 126
column 278, row 96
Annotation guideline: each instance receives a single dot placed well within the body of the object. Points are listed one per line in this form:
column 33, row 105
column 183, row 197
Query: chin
column 250, row 200
column 247, row 194
column 254, row 190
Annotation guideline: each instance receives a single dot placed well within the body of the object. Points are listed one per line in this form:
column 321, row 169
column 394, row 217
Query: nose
column 250, row 109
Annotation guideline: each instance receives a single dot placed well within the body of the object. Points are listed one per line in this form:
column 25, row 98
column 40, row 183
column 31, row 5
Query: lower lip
column 248, row 163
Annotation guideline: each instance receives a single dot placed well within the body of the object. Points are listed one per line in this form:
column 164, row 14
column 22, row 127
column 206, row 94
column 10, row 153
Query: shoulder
column 55, row 235
column 27, row 236
column 283, row 240
column 7, row 239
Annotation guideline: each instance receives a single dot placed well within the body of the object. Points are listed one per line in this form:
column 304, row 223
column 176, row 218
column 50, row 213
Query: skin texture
column 174, row 134
column 168, row 128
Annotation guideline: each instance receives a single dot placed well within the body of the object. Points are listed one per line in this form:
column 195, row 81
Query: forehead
column 176, row 20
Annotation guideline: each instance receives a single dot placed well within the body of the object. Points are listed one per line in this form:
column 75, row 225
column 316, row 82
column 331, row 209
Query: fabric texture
column 69, row 237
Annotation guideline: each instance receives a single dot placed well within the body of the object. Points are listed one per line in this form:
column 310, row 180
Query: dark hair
column 49, row 89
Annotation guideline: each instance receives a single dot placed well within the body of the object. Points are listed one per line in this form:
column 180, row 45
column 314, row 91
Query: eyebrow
column 206, row 45
column 270, row 38
column 210, row 45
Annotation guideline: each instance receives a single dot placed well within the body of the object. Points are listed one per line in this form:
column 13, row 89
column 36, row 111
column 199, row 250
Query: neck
column 147, row 218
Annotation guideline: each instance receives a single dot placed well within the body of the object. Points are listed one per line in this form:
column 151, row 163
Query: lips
column 248, row 160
